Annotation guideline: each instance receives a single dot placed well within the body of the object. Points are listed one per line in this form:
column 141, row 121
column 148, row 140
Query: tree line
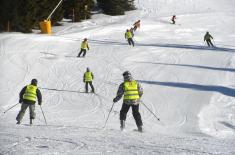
column 25, row 15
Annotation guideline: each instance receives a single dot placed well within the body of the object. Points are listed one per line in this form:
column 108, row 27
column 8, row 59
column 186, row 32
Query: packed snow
column 188, row 85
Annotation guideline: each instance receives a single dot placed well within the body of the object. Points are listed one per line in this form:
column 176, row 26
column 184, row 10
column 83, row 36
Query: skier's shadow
column 112, row 42
column 214, row 88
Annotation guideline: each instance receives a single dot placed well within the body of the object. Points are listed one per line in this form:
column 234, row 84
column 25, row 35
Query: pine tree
column 116, row 7
column 24, row 18
column 45, row 7
column 7, row 13
column 80, row 8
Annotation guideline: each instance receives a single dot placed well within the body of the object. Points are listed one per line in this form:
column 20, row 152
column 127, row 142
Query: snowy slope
column 189, row 86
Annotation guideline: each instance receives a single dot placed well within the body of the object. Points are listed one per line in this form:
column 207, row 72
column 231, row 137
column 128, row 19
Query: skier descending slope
column 132, row 91
column 208, row 38
column 84, row 48
column 28, row 97
column 129, row 36
column 136, row 25
column 173, row 19
column 87, row 78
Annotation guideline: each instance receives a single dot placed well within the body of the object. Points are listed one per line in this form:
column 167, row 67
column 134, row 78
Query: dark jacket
column 39, row 97
column 207, row 37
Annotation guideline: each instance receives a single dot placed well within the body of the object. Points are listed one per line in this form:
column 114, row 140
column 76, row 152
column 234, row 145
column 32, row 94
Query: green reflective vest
column 84, row 45
column 88, row 76
column 131, row 90
column 30, row 93
column 128, row 34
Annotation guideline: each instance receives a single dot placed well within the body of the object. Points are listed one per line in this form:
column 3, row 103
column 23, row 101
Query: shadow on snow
column 193, row 66
column 213, row 88
column 181, row 46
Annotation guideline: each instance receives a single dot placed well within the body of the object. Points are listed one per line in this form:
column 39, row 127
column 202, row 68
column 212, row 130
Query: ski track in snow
column 186, row 84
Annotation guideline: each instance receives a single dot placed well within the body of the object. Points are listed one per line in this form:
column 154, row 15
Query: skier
column 173, row 19
column 87, row 79
column 132, row 92
column 129, row 36
column 84, row 48
column 27, row 99
column 208, row 38
column 136, row 25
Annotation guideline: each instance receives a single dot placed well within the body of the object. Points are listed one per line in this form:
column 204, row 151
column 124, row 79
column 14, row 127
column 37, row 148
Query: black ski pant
column 130, row 41
column 82, row 51
column 209, row 43
column 135, row 113
column 91, row 85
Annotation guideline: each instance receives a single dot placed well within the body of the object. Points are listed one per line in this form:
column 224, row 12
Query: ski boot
column 140, row 129
column 18, row 122
column 31, row 122
column 122, row 122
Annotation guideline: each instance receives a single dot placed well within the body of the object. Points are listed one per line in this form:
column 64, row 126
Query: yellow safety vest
column 131, row 90
column 84, row 45
column 30, row 93
column 128, row 34
column 88, row 76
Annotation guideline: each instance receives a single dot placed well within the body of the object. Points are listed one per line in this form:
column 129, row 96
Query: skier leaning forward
column 132, row 92
column 208, row 38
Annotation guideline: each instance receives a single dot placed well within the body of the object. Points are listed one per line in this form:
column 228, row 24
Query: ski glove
column 40, row 103
column 115, row 100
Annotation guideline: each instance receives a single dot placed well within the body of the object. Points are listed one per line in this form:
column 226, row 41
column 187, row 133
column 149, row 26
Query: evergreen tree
column 116, row 7
column 25, row 17
column 20, row 15
column 80, row 8
column 7, row 13
column 45, row 7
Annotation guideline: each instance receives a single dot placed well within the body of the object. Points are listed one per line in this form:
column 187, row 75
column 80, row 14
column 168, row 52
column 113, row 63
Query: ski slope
column 189, row 86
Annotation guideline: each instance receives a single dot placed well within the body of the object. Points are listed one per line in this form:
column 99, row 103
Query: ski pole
column 10, row 108
column 108, row 115
column 150, row 111
column 43, row 115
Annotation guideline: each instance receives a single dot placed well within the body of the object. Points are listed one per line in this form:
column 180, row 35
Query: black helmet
column 34, row 82
column 126, row 73
column 127, row 76
column 87, row 69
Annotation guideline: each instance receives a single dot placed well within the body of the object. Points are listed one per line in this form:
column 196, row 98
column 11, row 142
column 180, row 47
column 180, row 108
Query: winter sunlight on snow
column 189, row 86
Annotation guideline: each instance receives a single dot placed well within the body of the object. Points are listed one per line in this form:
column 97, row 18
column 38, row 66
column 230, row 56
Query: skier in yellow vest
column 132, row 92
column 88, row 78
column 129, row 36
column 28, row 96
column 84, row 48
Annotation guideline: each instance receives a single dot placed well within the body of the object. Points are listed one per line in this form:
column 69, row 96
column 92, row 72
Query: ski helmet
column 34, row 81
column 127, row 75
column 87, row 69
